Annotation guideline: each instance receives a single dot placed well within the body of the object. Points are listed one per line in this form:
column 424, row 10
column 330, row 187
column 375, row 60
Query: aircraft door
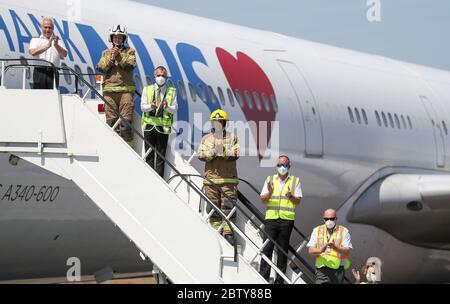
column 438, row 133
column 311, row 117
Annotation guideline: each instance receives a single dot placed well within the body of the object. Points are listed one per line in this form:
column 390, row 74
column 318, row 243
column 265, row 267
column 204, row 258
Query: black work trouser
column 159, row 142
column 327, row 275
column 43, row 78
column 280, row 231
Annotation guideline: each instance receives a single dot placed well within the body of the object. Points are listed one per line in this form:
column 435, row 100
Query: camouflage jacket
column 119, row 74
column 220, row 155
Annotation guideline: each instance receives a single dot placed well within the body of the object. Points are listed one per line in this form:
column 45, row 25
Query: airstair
column 165, row 219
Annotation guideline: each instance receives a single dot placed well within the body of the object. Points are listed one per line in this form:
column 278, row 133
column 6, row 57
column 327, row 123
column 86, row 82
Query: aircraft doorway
column 311, row 117
column 438, row 133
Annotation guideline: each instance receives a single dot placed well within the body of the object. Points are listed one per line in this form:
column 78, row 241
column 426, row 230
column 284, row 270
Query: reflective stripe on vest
column 162, row 124
column 331, row 259
column 279, row 206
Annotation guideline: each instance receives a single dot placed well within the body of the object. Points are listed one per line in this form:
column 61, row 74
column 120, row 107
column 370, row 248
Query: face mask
column 371, row 277
column 160, row 80
column 282, row 170
column 330, row 224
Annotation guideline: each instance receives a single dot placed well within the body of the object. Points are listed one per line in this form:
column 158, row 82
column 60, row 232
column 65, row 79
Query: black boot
column 229, row 238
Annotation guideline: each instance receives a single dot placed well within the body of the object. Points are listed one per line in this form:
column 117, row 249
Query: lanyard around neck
column 162, row 100
column 332, row 237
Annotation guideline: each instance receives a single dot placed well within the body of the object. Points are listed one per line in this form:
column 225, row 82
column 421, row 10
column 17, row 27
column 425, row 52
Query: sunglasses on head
column 329, row 218
column 282, row 165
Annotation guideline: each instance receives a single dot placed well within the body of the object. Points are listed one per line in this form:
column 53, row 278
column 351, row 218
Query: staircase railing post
column 3, row 73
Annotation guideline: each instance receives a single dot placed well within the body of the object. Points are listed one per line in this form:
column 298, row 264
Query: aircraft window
column 182, row 89
column 397, row 121
column 378, row 118
column 409, row 122
column 149, row 80
column 239, row 98
column 138, row 82
column 78, row 70
column 212, row 94
column 230, row 97
column 221, row 96
column 248, row 98
column 350, row 113
column 445, row 127
column 266, row 102
column 358, row 117
column 192, row 91
column 384, row 119
column 391, row 121
column 67, row 77
column 274, row 103
column 403, row 121
column 257, row 101
column 366, row 121
column 202, row 92
column 91, row 73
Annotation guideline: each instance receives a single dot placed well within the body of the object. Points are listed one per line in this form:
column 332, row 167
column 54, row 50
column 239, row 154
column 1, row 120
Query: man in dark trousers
column 330, row 244
column 158, row 105
column 282, row 193
column 46, row 47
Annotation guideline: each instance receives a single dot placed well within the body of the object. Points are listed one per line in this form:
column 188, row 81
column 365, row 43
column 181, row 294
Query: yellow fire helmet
column 219, row 115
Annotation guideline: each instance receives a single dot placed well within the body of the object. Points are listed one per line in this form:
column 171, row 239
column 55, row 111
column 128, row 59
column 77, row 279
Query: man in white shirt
column 330, row 245
column 282, row 193
column 158, row 105
column 46, row 47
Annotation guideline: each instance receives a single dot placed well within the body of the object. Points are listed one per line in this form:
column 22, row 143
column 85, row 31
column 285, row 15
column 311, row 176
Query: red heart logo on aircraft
column 247, row 79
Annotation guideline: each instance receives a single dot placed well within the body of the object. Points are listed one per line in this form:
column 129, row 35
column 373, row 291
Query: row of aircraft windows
column 356, row 115
column 395, row 118
column 394, row 121
column 244, row 99
column 359, row 117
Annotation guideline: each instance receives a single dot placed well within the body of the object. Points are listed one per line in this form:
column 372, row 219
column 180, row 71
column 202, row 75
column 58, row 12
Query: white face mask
column 283, row 171
column 160, row 80
column 330, row 224
column 371, row 277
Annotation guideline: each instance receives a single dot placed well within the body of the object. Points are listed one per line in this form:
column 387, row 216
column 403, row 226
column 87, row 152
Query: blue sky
column 411, row 30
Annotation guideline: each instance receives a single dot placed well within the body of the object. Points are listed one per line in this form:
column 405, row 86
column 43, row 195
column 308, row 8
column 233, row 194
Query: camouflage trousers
column 123, row 103
column 226, row 204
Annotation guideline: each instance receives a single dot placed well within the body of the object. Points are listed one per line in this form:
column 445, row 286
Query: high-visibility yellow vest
column 279, row 206
column 331, row 259
column 163, row 123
